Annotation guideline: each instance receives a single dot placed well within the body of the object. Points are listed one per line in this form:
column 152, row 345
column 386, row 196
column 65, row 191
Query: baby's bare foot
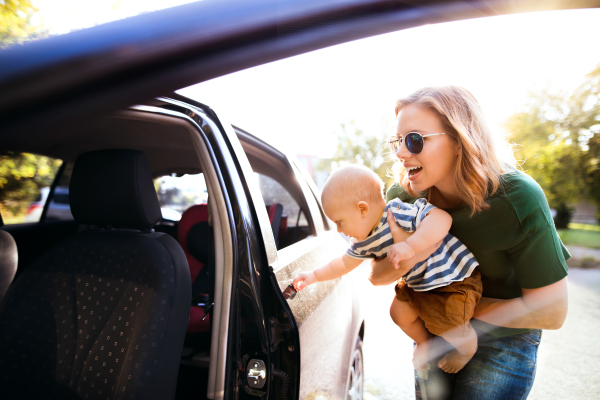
column 454, row 361
column 421, row 355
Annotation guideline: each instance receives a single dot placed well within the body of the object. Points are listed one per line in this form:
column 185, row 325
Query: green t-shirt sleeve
column 537, row 253
column 396, row 191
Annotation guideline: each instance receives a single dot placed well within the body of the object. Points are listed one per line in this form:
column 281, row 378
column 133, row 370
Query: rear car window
column 273, row 192
column 25, row 181
column 294, row 225
column 178, row 193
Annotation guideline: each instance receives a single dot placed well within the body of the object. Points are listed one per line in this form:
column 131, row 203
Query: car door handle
column 289, row 293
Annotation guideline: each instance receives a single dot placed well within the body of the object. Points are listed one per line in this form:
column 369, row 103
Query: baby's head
column 353, row 198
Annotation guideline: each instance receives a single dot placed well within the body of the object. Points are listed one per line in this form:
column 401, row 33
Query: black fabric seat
column 8, row 261
column 103, row 314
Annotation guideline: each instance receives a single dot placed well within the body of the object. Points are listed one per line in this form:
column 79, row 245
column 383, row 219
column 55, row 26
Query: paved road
column 569, row 359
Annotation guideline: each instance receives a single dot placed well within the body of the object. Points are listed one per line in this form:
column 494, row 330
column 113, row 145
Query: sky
column 299, row 103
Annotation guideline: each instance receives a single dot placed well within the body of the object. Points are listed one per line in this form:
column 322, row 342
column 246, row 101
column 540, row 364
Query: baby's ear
column 363, row 208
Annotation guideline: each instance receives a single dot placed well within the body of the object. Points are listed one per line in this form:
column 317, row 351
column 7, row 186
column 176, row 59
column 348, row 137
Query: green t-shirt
column 514, row 241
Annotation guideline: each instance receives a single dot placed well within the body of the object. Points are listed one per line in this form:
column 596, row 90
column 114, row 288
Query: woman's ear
column 457, row 148
column 363, row 208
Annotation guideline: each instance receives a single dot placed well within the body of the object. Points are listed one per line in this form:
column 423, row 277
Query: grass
column 581, row 235
column 586, row 263
column 584, row 227
column 14, row 220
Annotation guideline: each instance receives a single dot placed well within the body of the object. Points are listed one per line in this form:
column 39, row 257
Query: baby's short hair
column 353, row 183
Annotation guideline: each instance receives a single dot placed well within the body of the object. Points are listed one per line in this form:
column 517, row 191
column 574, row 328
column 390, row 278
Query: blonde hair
column 479, row 166
column 351, row 184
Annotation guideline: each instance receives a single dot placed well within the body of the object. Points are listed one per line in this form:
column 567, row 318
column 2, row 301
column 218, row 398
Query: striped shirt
column 451, row 262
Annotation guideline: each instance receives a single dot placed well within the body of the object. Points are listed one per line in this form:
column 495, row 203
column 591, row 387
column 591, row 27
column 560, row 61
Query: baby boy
column 438, row 295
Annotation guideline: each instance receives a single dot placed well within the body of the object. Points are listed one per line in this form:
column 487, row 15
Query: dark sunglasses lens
column 414, row 143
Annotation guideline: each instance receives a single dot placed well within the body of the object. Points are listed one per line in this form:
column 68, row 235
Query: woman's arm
column 541, row 308
column 382, row 271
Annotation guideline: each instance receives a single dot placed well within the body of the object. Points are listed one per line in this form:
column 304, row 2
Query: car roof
column 109, row 67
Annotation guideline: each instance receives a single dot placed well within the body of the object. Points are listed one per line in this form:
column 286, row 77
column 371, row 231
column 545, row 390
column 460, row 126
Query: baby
column 437, row 295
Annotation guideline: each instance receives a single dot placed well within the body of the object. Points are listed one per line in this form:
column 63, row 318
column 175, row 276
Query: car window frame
column 224, row 232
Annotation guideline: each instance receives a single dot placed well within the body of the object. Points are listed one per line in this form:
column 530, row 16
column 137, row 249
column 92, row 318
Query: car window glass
column 294, row 225
column 312, row 204
column 178, row 193
column 25, row 181
column 59, row 208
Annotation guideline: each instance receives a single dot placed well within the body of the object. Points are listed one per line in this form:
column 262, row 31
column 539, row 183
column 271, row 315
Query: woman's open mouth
column 413, row 172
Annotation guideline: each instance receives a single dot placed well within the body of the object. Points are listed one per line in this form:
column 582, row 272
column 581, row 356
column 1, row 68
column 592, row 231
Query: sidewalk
column 584, row 252
column 568, row 359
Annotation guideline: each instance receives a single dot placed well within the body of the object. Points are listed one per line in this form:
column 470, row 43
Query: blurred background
column 536, row 75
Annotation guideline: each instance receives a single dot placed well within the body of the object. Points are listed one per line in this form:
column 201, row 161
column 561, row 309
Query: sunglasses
column 414, row 142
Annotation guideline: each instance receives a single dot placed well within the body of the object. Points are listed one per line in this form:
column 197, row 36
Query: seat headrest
column 113, row 187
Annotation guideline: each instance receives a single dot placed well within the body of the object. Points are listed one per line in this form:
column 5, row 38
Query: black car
column 267, row 225
column 123, row 303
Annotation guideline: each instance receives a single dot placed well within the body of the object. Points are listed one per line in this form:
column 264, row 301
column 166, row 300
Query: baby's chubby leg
column 465, row 350
column 407, row 318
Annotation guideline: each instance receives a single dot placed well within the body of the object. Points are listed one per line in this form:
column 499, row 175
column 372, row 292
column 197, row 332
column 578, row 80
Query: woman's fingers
column 398, row 233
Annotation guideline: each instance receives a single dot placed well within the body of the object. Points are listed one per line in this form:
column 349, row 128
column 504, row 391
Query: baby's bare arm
column 334, row 269
column 432, row 229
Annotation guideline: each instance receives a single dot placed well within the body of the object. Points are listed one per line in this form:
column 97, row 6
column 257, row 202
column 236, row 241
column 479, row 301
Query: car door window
column 178, row 193
column 59, row 207
column 25, row 182
column 295, row 223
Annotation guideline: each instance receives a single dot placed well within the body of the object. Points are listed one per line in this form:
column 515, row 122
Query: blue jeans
column 502, row 369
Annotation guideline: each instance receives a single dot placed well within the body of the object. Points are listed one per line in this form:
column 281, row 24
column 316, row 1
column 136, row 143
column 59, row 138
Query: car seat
column 196, row 240
column 103, row 313
column 275, row 212
column 8, row 261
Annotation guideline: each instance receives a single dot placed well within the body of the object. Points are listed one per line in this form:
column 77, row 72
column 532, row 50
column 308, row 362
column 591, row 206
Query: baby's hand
column 399, row 252
column 303, row 280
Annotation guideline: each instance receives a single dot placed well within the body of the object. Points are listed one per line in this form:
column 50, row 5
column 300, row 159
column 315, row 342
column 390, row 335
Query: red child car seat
column 191, row 217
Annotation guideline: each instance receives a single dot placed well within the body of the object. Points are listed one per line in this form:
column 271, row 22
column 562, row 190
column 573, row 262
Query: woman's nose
column 403, row 152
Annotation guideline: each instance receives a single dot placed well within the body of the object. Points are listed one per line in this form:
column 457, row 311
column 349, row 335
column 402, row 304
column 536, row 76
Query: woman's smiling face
column 436, row 163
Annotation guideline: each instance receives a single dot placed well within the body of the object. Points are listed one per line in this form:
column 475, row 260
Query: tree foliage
column 558, row 142
column 357, row 147
column 16, row 22
column 22, row 175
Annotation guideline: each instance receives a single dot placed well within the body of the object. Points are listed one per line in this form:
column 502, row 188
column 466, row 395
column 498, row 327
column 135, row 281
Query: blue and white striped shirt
column 451, row 262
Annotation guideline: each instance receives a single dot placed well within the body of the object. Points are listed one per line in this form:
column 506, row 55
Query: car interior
column 140, row 173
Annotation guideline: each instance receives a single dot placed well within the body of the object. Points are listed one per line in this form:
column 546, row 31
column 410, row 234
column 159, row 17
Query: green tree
column 16, row 22
column 22, row 175
column 558, row 143
column 357, row 147
column 585, row 121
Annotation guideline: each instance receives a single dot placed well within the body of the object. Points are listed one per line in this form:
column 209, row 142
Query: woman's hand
column 541, row 308
column 382, row 271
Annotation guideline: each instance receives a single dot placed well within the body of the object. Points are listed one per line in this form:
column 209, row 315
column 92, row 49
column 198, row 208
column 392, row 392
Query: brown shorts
column 446, row 311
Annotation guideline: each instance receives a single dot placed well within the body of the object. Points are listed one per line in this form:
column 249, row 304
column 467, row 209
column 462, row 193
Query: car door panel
column 323, row 331
column 323, row 313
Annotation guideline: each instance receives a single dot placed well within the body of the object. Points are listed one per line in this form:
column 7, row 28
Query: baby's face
column 349, row 219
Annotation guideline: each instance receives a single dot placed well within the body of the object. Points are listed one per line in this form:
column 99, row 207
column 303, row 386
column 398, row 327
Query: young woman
column 448, row 154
